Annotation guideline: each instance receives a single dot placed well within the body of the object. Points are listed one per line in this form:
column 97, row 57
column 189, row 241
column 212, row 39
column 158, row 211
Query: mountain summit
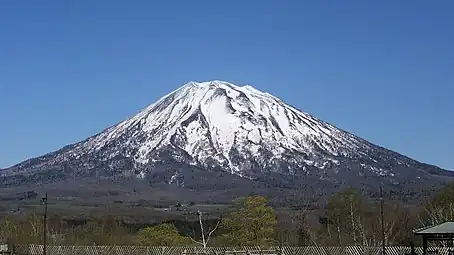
column 238, row 131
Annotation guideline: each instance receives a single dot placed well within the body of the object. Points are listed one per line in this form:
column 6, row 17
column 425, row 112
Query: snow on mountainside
column 216, row 120
column 218, row 126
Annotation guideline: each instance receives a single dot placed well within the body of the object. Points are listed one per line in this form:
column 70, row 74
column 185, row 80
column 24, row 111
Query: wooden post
column 382, row 222
column 424, row 245
column 45, row 225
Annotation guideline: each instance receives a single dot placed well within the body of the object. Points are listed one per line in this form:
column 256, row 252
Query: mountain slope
column 219, row 129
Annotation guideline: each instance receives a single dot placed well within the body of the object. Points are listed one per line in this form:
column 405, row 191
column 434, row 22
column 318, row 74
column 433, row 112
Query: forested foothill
column 346, row 218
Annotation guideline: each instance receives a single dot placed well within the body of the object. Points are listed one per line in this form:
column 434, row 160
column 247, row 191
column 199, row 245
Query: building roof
column 443, row 228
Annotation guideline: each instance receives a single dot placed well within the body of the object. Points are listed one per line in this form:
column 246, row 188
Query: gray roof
column 443, row 228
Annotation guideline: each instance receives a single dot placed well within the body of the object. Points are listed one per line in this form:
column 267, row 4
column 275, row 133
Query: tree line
column 346, row 219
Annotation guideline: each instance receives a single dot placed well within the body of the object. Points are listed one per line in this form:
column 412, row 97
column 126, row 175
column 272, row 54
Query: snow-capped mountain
column 218, row 127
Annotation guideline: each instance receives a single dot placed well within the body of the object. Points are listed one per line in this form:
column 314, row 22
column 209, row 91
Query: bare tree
column 440, row 208
column 205, row 236
column 436, row 213
column 357, row 221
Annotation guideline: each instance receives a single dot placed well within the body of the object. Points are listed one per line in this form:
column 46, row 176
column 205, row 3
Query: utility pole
column 45, row 224
column 382, row 220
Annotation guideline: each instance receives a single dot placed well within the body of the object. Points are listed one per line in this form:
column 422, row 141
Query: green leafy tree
column 162, row 235
column 254, row 224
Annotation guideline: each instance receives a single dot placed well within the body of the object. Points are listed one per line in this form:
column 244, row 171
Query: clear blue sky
column 383, row 70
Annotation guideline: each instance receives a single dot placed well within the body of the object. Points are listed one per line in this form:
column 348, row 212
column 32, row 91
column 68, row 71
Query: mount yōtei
column 219, row 136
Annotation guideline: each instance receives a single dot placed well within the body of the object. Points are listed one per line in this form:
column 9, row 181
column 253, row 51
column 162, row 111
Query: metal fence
column 143, row 250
